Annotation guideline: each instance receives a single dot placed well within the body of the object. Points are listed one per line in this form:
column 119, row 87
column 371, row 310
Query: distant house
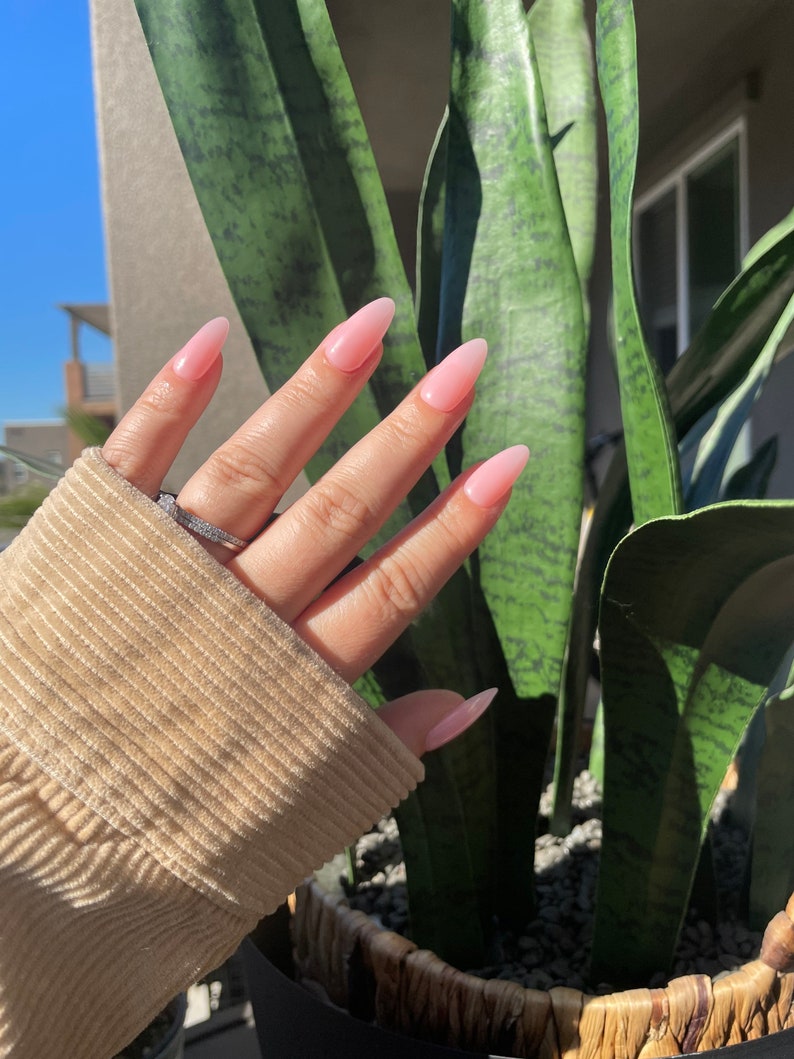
column 89, row 389
column 44, row 439
column 716, row 171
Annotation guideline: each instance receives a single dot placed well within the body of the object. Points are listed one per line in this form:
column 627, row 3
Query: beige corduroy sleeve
column 173, row 760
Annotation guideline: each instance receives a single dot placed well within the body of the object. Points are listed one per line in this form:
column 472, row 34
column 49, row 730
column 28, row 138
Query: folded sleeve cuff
column 149, row 682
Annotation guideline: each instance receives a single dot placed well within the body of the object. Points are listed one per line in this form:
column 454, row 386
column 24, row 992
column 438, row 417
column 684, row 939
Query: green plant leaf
column 447, row 824
column 696, row 618
column 508, row 272
column 733, row 336
column 429, row 243
column 752, row 481
column 609, row 521
column 768, row 240
column 716, row 447
column 565, row 63
column 283, row 172
column 651, row 451
column 440, row 868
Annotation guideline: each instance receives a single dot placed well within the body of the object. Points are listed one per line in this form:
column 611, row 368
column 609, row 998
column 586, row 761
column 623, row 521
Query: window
column 20, row 473
column 690, row 233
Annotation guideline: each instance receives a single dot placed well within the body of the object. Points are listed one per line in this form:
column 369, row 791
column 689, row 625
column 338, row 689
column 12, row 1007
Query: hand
column 352, row 621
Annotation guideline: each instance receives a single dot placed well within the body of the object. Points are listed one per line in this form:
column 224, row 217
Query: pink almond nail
column 353, row 341
column 196, row 358
column 488, row 484
column 449, row 382
column 459, row 719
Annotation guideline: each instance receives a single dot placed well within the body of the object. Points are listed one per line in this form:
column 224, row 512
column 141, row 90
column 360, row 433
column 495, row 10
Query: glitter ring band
column 199, row 526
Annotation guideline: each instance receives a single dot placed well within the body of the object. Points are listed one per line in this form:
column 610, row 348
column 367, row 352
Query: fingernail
column 459, row 719
column 197, row 357
column 353, row 341
column 450, row 381
column 489, row 483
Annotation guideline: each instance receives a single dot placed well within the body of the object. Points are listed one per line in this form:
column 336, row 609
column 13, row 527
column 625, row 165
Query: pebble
column 554, row 949
column 549, row 914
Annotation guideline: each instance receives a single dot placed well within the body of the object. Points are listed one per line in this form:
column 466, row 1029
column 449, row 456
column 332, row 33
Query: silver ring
column 199, row 526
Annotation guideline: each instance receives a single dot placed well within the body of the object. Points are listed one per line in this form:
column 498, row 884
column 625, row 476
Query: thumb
column 426, row 720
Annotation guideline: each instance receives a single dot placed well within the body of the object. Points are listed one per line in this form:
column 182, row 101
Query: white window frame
column 676, row 181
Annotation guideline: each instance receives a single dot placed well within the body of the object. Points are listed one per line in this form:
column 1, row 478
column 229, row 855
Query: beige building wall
column 165, row 281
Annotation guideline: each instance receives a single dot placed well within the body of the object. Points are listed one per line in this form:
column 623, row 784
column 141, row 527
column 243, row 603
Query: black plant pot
column 291, row 1023
column 165, row 1037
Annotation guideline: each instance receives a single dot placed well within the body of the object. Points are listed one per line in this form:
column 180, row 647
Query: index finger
column 147, row 440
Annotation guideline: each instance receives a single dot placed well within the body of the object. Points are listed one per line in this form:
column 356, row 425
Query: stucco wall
column 165, row 281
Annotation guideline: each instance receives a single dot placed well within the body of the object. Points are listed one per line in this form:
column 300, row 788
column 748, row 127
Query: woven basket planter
column 380, row 976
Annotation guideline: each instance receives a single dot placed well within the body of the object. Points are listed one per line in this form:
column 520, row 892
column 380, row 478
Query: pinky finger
column 426, row 720
column 147, row 440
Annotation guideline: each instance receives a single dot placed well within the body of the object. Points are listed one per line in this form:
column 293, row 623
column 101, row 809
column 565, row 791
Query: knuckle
column 398, row 589
column 160, row 399
column 334, row 506
column 407, row 434
column 303, row 394
column 124, row 455
column 242, row 468
column 450, row 537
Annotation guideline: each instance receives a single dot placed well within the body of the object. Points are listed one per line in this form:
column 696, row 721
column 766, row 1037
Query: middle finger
column 240, row 484
column 329, row 526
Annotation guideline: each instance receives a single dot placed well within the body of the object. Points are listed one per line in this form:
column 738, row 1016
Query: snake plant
column 697, row 605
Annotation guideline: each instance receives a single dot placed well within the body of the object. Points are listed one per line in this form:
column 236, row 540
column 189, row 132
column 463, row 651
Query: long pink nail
column 450, row 381
column 459, row 719
column 489, row 483
column 353, row 341
column 197, row 357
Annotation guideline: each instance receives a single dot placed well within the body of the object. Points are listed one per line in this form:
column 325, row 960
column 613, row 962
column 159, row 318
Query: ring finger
column 353, row 622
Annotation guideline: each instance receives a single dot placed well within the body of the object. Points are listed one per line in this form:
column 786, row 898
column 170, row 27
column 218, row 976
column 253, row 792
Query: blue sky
column 51, row 247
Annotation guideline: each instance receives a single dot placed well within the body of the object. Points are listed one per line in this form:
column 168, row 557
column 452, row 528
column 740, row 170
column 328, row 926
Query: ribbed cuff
column 153, row 686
